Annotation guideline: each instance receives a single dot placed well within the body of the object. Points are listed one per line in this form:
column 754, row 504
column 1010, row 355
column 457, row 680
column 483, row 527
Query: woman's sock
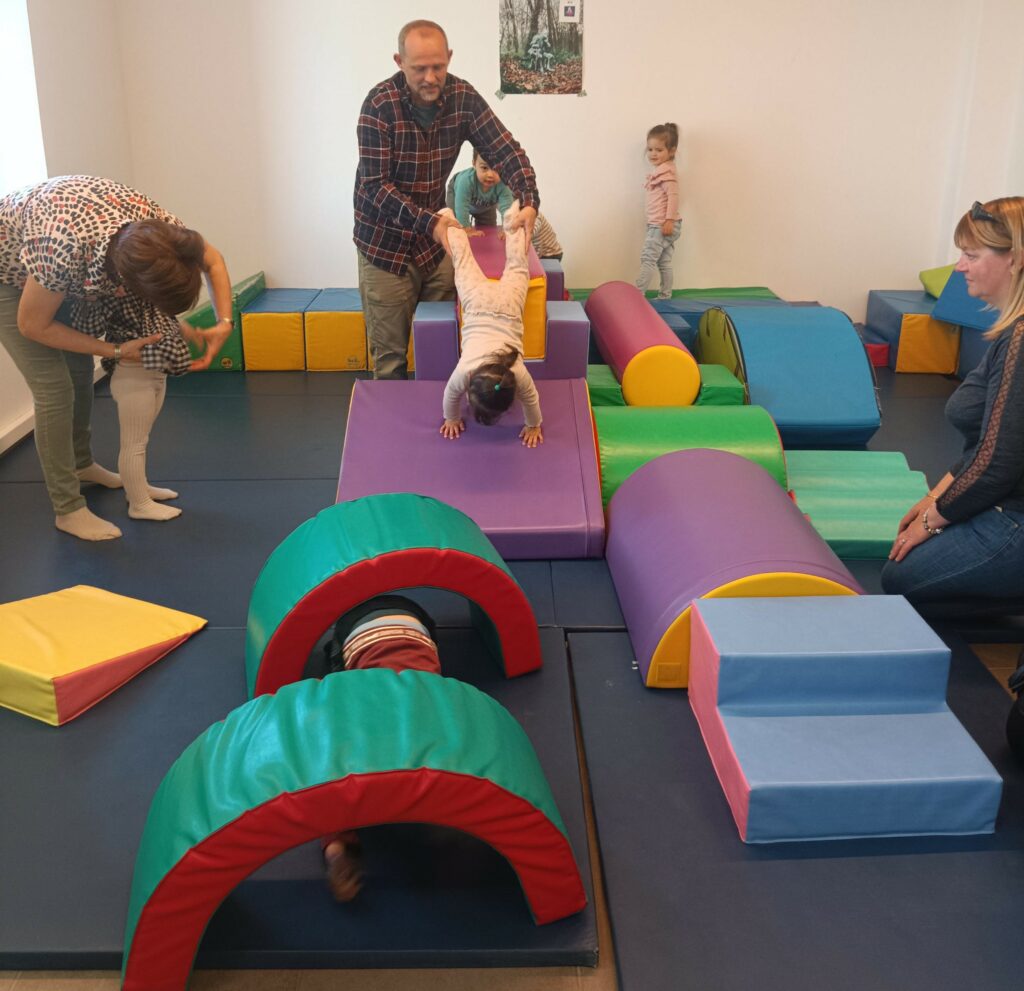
column 85, row 525
column 98, row 475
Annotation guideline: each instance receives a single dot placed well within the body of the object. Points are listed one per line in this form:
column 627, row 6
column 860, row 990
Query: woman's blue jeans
column 983, row 557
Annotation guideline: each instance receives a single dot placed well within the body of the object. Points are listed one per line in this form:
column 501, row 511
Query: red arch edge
column 173, row 919
column 494, row 591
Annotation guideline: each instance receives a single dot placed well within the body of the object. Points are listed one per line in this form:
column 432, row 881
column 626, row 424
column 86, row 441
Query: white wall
column 827, row 147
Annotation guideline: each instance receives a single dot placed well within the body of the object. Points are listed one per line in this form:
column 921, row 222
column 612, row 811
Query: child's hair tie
column 497, row 387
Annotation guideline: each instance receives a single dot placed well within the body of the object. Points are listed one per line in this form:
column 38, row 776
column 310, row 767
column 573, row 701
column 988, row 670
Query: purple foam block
column 567, row 344
column 436, row 338
column 556, row 278
column 543, row 502
column 688, row 523
column 435, row 335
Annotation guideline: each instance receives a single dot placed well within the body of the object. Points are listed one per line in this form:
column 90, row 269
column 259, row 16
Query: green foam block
column 719, row 387
column 631, row 436
column 855, row 499
column 603, row 386
column 231, row 357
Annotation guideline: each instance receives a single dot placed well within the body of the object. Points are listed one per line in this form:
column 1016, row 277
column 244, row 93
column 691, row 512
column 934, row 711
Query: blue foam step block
column 336, row 301
column 826, row 718
column 957, row 307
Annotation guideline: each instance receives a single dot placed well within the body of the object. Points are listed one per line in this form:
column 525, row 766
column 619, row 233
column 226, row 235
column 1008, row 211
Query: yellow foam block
column 335, row 342
column 670, row 663
column 661, row 376
column 273, row 342
column 535, row 315
column 63, row 652
column 927, row 345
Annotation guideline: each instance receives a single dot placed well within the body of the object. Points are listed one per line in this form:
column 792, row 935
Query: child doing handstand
column 491, row 369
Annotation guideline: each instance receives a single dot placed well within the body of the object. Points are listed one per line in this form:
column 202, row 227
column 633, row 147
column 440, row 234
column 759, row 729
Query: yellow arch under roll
column 661, row 376
column 670, row 663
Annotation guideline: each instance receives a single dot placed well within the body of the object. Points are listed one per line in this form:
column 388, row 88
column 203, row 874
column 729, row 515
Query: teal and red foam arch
column 352, row 551
column 355, row 749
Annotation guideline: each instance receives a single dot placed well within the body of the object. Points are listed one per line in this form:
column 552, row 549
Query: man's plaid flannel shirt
column 403, row 169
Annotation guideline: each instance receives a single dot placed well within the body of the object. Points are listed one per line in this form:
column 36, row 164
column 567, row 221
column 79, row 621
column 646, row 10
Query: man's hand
column 451, row 429
column 526, row 219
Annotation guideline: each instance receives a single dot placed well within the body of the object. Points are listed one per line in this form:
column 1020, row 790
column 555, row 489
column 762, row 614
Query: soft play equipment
column 804, row 364
column 353, row 551
column 554, row 275
column 646, row 357
column 934, row 279
column 63, row 652
column 719, row 387
column 706, row 523
column 918, row 341
column 630, row 437
column 826, row 718
column 855, row 499
column 956, row 306
column 352, row 750
column 272, row 330
column 489, row 251
column 335, row 331
column 538, row 503
column 435, row 331
column 230, row 358
column 603, row 386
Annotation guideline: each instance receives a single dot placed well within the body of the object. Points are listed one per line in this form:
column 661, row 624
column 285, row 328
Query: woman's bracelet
column 932, row 531
column 230, row 320
column 117, row 352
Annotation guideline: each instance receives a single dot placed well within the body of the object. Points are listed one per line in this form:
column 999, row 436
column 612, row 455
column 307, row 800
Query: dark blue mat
column 584, row 596
column 219, row 437
column 75, row 799
column 692, row 907
column 204, row 562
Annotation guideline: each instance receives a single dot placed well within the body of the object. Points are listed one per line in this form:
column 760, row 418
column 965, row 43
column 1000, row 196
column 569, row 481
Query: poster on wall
column 541, row 46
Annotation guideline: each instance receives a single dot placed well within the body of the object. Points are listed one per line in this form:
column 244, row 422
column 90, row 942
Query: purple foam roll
column 651, row 363
column 706, row 523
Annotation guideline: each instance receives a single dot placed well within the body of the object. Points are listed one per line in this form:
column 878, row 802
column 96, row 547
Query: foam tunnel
column 653, row 366
column 353, row 551
column 630, row 437
column 358, row 748
column 704, row 523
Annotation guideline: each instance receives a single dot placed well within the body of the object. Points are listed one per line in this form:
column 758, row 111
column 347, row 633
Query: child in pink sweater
column 662, row 202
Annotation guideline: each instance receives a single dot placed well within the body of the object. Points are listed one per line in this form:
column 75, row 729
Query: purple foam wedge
column 706, row 523
column 543, row 502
